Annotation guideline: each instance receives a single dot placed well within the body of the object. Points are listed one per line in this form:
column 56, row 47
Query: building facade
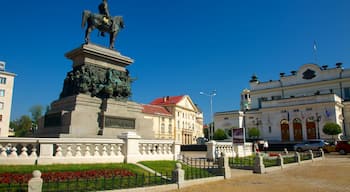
column 188, row 119
column 296, row 106
column 6, row 92
column 162, row 122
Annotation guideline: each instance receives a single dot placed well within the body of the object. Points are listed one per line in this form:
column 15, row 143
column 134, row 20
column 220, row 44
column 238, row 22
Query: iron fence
column 196, row 168
column 94, row 184
column 242, row 162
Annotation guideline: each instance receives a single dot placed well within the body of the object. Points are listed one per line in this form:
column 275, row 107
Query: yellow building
column 6, row 91
column 162, row 121
column 188, row 119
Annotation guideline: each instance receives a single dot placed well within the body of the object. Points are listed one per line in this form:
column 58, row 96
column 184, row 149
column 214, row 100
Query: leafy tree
column 331, row 128
column 254, row 133
column 37, row 112
column 22, row 126
column 220, row 134
column 205, row 131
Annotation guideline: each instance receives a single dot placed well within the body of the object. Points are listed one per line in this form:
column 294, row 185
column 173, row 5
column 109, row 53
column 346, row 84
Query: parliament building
column 295, row 107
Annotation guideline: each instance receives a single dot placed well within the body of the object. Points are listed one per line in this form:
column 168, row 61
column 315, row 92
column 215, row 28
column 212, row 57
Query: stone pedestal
column 94, row 100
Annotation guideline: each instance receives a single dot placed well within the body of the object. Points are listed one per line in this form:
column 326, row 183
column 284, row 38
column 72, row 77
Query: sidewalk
column 331, row 174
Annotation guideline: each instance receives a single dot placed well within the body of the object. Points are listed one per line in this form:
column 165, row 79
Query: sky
column 180, row 47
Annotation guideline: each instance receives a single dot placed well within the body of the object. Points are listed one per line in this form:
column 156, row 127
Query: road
column 331, row 174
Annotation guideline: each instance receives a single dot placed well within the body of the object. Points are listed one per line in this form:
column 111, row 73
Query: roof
column 168, row 100
column 155, row 110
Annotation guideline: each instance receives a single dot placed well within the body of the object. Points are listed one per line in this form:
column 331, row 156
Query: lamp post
column 211, row 95
column 318, row 119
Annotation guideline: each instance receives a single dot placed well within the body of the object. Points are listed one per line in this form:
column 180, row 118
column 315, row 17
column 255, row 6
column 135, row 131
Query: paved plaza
column 331, row 174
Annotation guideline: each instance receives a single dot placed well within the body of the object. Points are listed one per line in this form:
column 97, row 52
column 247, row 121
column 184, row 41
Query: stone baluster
column 33, row 153
column 119, row 149
column 170, row 147
column 3, row 153
column 141, row 148
column 24, row 153
column 13, row 152
column 69, row 151
column 58, row 151
column 104, row 150
column 96, row 152
column 87, row 150
column 78, row 150
column 149, row 149
column 112, row 149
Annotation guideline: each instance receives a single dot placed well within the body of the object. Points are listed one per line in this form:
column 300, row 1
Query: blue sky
column 179, row 47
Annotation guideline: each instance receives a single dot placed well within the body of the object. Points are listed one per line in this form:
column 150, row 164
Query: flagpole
column 315, row 53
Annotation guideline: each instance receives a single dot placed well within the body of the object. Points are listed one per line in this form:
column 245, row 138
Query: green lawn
column 70, row 167
column 166, row 167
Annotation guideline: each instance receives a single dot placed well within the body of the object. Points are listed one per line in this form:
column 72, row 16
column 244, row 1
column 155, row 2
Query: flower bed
column 7, row 178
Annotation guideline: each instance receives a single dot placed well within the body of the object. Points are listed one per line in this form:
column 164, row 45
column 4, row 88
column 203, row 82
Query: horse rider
column 103, row 10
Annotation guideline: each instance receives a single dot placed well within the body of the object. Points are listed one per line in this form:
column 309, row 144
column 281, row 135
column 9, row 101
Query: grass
column 160, row 166
column 70, row 167
column 166, row 167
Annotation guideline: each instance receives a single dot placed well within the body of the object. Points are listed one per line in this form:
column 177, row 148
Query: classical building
column 6, row 91
column 162, row 122
column 187, row 117
column 296, row 106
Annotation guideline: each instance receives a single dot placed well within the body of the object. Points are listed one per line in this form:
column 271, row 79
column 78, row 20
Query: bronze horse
column 110, row 25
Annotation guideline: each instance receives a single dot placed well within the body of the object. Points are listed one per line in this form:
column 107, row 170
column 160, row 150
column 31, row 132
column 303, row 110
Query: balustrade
column 79, row 150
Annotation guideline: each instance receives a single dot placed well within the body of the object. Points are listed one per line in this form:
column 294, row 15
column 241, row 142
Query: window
column 347, row 93
column 170, row 128
column 162, row 128
column 2, row 93
column 1, row 105
column 276, row 97
column 2, row 80
column 0, row 117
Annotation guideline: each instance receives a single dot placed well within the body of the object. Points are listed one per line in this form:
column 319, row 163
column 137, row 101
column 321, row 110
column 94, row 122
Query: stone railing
column 129, row 148
column 214, row 149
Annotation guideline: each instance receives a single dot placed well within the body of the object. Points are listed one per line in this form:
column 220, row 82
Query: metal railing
column 196, row 168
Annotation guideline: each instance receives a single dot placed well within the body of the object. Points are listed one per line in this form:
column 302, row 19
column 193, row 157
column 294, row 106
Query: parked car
column 310, row 145
column 329, row 148
column 343, row 147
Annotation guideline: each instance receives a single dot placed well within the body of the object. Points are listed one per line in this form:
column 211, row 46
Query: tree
column 37, row 112
column 254, row 133
column 205, row 131
column 220, row 135
column 22, row 126
column 331, row 128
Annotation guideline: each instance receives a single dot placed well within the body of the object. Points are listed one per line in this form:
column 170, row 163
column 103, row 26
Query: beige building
column 6, row 91
column 188, row 119
column 296, row 106
column 162, row 122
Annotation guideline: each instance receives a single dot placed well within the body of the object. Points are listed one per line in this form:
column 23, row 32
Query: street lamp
column 211, row 95
column 318, row 119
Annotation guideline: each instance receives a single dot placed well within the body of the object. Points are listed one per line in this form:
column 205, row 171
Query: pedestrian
column 256, row 147
column 266, row 145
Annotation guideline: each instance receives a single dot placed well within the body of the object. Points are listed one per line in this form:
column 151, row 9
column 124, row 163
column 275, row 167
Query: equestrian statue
column 103, row 22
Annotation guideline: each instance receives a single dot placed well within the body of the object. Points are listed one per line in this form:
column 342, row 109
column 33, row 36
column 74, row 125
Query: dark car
column 342, row 147
column 310, row 145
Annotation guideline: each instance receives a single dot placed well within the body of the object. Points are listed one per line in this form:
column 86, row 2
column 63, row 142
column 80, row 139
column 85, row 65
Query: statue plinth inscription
column 119, row 122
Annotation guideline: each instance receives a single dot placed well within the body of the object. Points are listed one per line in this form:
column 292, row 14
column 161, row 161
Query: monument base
column 83, row 116
column 94, row 99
